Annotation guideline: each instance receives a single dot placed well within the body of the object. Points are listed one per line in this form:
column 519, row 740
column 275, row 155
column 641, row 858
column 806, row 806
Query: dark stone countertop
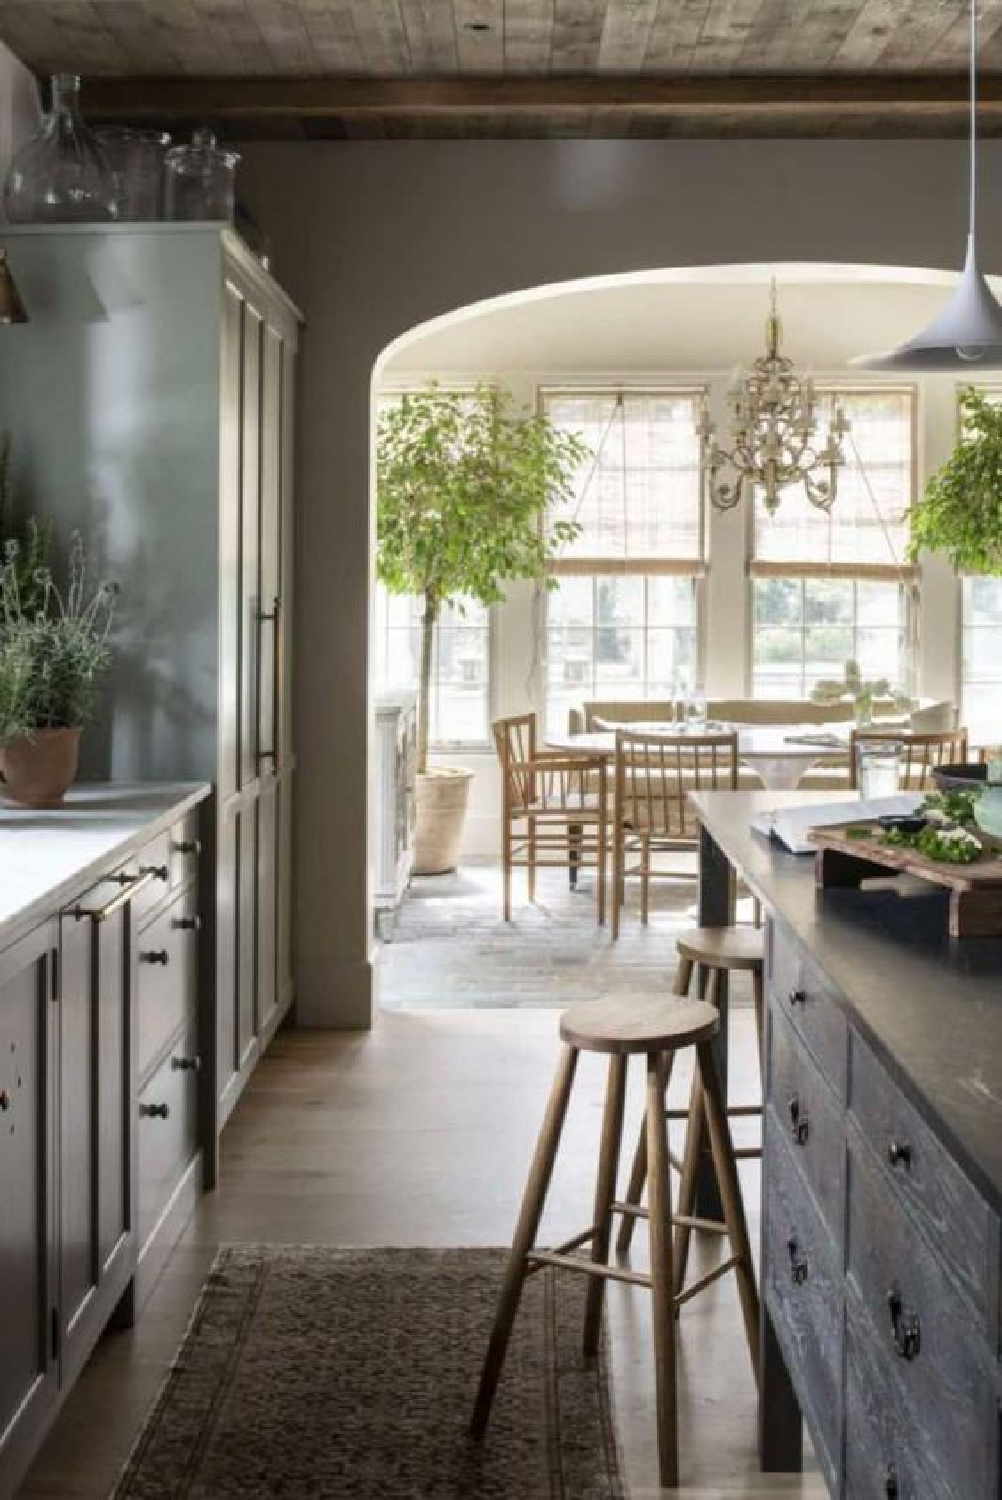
column 929, row 1005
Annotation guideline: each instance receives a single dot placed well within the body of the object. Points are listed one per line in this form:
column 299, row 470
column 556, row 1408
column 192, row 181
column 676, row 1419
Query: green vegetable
column 957, row 806
column 940, row 844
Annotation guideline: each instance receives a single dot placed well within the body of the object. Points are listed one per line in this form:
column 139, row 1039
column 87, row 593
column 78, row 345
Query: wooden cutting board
column 975, row 889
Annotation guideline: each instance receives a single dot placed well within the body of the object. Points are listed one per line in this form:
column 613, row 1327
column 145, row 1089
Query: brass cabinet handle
column 154, row 1111
column 131, row 885
column 186, row 1064
column 155, row 956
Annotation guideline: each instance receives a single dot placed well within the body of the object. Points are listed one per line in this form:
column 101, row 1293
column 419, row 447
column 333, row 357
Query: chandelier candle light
column 774, row 443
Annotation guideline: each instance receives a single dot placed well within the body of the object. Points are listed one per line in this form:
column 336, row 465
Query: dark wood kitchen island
column 882, row 1181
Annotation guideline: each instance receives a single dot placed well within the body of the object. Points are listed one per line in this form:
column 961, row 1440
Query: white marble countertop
column 49, row 856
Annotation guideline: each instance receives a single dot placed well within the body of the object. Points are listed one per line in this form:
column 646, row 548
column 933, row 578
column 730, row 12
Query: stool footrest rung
column 702, row 1282
column 747, row 1153
column 572, row 1244
column 734, row 1112
column 705, row 1226
column 589, row 1267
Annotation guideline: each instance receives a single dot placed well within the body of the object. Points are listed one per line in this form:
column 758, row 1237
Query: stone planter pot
column 36, row 771
column 440, row 799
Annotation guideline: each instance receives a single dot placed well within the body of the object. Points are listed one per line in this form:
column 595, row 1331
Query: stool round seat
column 625, row 1026
column 735, row 948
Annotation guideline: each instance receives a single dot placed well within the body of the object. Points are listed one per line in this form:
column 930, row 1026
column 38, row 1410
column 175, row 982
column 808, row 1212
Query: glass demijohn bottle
column 62, row 176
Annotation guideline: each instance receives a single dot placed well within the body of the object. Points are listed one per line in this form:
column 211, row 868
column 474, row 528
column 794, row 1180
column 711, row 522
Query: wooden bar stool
column 624, row 1028
column 711, row 952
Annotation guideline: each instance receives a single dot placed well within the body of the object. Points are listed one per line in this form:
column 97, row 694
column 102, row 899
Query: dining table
column 779, row 754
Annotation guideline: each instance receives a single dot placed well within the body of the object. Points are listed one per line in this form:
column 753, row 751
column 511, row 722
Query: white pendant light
column 967, row 334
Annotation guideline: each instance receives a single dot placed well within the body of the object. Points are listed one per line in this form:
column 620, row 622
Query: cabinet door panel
column 231, row 361
column 78, row 1272
column 227, row 875
column 284, row 885
column 287, row 542
column 27, row 1222
column 247, row 930
column 269, row 728
column 250, row 580
column 267, row 903
column 114, row 1091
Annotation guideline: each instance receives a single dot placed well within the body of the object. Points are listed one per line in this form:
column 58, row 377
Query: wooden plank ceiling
column 403, row 68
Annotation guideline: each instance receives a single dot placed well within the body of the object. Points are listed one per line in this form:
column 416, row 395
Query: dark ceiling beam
column 935, row 99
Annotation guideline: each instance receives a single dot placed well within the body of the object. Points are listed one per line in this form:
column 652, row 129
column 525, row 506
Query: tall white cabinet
column 150, row 402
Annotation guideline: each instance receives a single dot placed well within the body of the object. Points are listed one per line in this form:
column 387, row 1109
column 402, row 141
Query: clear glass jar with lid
column 201, row 179
column 62, row 175
column 138, row 160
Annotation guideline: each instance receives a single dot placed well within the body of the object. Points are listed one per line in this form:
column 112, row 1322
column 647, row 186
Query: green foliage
column 52, row 655
column 33, row 539
column 961, row 511
column 463, row 481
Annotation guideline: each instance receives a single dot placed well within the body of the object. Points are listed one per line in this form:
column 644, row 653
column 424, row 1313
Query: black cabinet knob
column 187, row 924
column 800, row 1126
column 4, row 1101
column 155, row 956
column 162, row 872
column 154, row 1111
column 186, row 1064
column 899, row 1153
column 905, row 1328
column 891, row 1482
column 188, row 846
column 798, row 997
column 799, row 1269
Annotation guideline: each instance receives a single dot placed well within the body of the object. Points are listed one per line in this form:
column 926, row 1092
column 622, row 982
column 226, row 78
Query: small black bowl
column 961, row 778
column 902, row 823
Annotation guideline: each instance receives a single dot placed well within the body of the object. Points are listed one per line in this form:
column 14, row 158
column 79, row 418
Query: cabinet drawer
column 803, row 1288
column 167, row 1133
column 166, row 967
column 957, row 1220
column 185, row 848
column 811, row 1118
column 881, row 1458
column 799, row 991
column 155, row 857
column 943, row 1372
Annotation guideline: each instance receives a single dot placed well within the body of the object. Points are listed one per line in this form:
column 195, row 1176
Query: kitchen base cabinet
column 29, row 1372
column 100, row 1081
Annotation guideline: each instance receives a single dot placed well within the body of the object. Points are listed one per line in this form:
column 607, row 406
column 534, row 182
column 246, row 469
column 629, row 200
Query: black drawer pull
column 186, row 1064
column 905, row 1329
column 187, row 924
column 154, row 1111
column 188, row 846
column 891, row 1482
column 4, row 1101
column 800, row 1125
column 799, row 1268
column 899, row 1153
column 798, row 997
column 155, row 956
column 162, row 872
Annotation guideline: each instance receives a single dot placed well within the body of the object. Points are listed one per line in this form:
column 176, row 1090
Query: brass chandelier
column 774, row 426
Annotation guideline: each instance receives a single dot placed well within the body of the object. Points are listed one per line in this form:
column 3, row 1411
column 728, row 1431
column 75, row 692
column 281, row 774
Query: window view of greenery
column 806, row 625
column 622, row 621
column 981, row 704
column 461, row 674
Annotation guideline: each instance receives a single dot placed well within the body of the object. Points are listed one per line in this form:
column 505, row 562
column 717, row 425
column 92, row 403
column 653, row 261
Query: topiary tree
column 960, row 512
column 463, row 480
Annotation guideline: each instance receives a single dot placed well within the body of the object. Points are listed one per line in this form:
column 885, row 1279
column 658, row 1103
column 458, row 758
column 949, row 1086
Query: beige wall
column 373, row 238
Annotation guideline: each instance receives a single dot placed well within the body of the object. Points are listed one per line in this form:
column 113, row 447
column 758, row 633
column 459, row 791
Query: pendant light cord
column 974, row 117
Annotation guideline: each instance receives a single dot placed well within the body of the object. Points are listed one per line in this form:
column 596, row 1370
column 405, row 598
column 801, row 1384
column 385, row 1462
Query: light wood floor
column 419, row 1134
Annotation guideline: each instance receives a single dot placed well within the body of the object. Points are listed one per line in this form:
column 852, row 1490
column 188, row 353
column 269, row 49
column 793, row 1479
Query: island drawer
column 799, row 992
column 166, row 967
column 881, row 1454
column 943, row 1369
column 167, row 1134
column 916, row 1168
column 808, row 1114
column 185, row 848
column 803, row 1289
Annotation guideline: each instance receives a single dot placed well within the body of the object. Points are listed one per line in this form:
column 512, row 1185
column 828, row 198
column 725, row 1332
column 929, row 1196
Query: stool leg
column 758, row 993
column 659, row 1226
column 532, row 860
column 605, row 1192
column 525, row 1236
column 690, row 1176
column 730, row 1195
column 645, row 880
column 638, row 1172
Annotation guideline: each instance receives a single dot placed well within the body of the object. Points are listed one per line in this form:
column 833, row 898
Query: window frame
column 906, row 576
column 990, row 389
column 698, row 569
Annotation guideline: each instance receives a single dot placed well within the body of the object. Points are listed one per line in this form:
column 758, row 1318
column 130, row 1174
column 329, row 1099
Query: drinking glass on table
column 879, row 769
column 695, row 707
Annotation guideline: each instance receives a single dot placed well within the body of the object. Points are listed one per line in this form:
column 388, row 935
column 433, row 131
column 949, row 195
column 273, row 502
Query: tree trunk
column 428, row 622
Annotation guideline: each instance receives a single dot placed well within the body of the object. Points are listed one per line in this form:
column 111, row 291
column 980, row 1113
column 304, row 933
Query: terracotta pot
column 440, row 800
column 37, row 771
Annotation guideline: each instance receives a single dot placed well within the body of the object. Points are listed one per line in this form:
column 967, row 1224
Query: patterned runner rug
column 310, row 1373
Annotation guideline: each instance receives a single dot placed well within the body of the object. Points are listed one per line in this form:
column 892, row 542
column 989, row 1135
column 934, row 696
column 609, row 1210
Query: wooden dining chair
column 555, row 809
column 651, row 812
column 921, row 754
